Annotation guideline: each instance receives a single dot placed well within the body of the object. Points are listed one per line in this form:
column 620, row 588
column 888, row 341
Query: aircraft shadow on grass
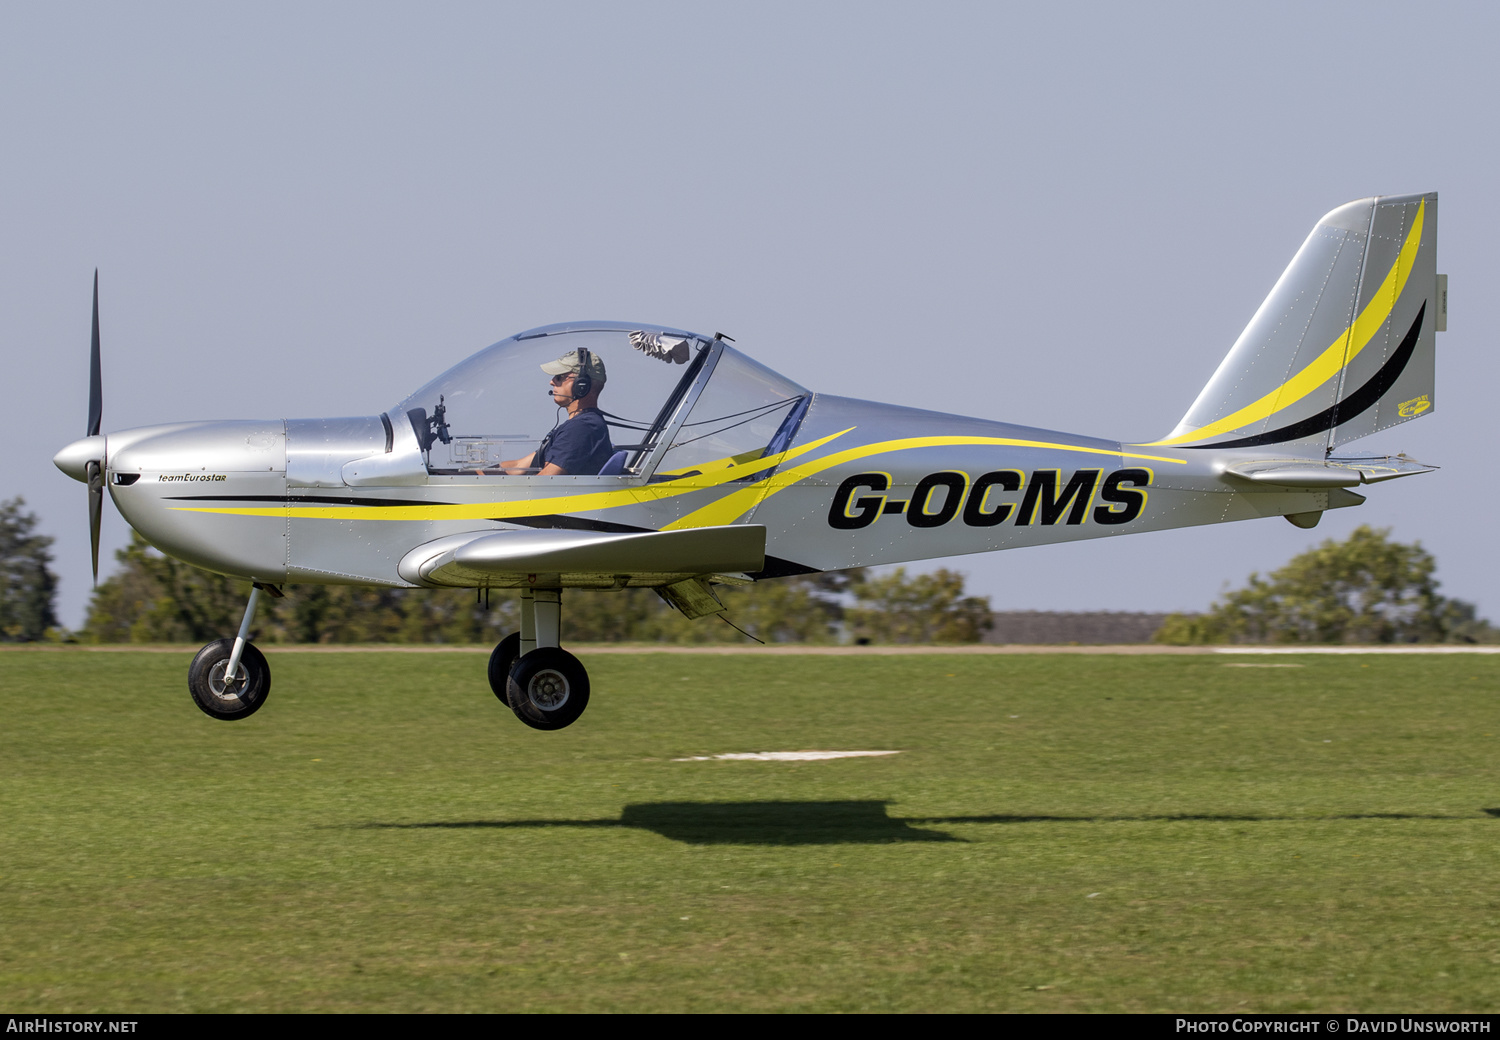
column 866, row 822
column 736, row 823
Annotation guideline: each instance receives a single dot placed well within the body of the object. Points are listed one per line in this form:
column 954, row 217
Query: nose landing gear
column 229, row 678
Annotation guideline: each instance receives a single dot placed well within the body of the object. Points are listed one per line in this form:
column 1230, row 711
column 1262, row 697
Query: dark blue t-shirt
column 580, row 445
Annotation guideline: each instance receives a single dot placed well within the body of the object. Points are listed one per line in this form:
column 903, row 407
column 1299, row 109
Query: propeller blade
column 96, row 511
column 96, row 382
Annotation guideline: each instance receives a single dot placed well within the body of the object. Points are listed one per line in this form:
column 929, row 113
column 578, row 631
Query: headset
column 583, row 383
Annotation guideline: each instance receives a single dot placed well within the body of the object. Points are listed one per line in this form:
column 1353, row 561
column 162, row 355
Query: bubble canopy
column 670, row 397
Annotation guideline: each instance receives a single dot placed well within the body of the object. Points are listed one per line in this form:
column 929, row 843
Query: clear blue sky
column 1059, row 215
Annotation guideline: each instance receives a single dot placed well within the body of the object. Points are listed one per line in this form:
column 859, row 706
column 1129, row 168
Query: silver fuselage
column 861, row 484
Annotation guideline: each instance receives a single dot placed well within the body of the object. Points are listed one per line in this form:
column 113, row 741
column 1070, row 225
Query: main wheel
column 548, row 688
column 501, row 659
column 224, row 698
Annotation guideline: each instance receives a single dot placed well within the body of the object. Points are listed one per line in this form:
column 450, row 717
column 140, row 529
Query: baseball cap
column 569, row 363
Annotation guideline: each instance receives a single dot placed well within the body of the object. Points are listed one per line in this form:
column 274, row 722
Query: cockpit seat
column 615, row 465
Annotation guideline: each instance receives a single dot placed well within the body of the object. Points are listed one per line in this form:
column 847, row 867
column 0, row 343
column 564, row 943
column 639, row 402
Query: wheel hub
column 548, row 690
column 229, row 690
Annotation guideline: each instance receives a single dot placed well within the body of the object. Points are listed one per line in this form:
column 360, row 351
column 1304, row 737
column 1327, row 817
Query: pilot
column 580, row 444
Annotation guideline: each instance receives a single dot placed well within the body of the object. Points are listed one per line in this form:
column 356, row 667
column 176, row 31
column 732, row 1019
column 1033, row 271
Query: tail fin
column 1342, row 347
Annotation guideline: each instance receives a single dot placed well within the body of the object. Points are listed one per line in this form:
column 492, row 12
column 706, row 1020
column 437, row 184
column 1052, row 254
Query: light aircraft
column 720, row 471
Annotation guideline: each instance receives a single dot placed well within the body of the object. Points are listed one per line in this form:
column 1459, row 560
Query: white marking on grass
column 1357, row 649
column 1259, row 664
column 782, row 756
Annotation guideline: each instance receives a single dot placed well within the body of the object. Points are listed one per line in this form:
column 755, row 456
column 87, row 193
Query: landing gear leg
column 544, row 685
column 229, row 678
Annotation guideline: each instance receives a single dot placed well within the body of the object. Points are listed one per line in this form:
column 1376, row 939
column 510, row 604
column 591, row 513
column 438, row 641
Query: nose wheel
column 221, row 695
column 229, row 678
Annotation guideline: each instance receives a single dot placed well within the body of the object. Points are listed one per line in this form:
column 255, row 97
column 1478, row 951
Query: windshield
column 745, row 413
column 498, row 405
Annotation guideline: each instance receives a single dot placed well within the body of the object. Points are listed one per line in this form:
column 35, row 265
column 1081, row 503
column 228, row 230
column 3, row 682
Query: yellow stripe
column 583, row 503
column 1329, row 363
column 729, row 508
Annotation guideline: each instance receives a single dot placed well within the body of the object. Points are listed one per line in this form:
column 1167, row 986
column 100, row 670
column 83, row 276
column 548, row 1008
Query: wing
column 586, row 559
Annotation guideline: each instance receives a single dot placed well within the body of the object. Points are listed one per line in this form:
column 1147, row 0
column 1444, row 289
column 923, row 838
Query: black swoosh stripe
column 299, row 500
column 561, row 522
column 775, row 566
column 1362, row 400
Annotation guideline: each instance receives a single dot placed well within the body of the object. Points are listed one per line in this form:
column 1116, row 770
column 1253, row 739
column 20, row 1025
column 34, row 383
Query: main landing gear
column 229, row 679
column 541, row 682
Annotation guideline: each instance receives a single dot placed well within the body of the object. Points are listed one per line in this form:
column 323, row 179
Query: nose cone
column 188, row 487
column 74, row 459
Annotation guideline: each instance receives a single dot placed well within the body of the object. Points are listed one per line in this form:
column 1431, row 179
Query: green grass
column 1060, row 833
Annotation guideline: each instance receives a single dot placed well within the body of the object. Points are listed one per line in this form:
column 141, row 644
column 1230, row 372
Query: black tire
column 501, row 659
column 227, row 703
column 548, row 688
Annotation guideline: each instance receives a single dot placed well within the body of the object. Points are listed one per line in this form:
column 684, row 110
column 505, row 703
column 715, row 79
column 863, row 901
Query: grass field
column 1058, row 834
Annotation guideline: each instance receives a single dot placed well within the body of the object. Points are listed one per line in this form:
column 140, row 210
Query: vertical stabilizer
column 1343, row 345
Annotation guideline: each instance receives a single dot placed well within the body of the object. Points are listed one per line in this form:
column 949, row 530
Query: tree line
column 155, row 598
column 26, row 609
column 1367, row 589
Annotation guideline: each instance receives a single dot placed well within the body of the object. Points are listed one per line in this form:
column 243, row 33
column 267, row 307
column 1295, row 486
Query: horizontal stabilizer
column 1331, row 473
column 590, row 559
